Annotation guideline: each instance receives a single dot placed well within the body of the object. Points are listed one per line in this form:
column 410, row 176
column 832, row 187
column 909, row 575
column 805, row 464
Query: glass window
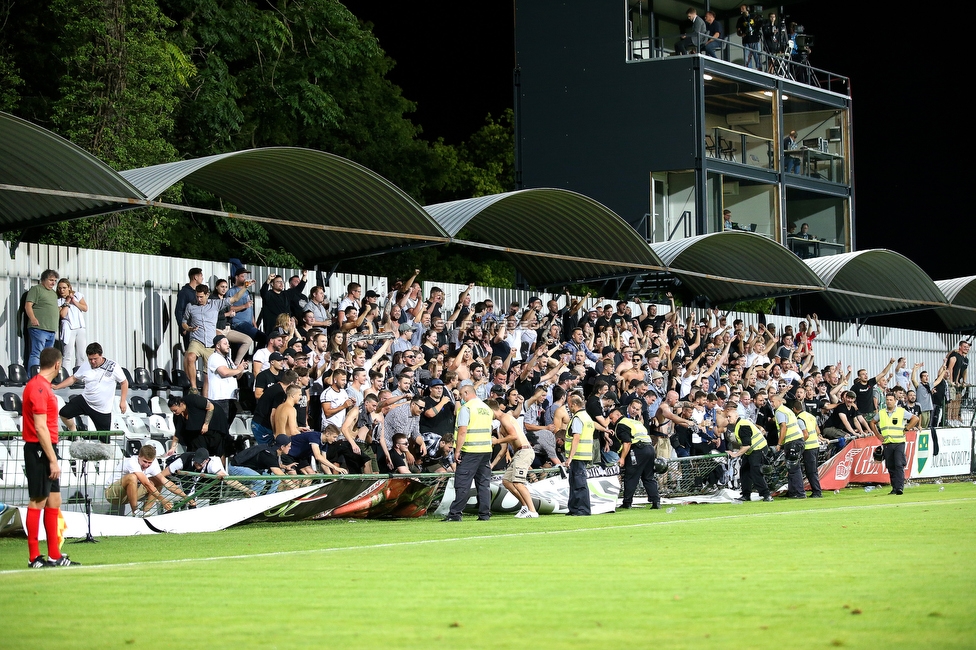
column 819, row 140
column 673, row 206
column 752, row 205
column 816, row 225
column 739, row 122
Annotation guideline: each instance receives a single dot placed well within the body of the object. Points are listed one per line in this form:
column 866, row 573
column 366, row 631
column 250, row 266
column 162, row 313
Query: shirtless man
column 510, row 432
column 284, row 419
column 560, row 420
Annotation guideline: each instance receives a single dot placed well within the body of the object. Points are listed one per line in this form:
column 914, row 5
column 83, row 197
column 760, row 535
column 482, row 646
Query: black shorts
column 38, row 471
column 78, row 406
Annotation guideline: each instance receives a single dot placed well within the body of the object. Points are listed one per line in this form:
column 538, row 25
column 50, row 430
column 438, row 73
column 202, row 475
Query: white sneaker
column 522, row 514
column 531, row 515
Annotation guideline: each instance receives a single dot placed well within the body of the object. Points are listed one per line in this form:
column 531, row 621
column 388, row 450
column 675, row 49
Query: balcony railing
column 793, row 68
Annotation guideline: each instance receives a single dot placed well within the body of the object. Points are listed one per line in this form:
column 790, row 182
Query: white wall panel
column 131, row 299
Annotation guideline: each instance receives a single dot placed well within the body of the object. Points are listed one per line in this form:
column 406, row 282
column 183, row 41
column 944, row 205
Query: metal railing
column 798, row 70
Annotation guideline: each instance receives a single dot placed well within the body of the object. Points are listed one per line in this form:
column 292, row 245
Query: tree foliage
column 143, row 82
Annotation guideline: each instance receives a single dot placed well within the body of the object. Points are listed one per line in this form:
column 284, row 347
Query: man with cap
column 438, row 413
column 201, row 462
column 264, row 459
column 636, row 455
column 277, row 339
column 472, row 454
column 271, row 398
column 267, row 377
column 222, row 377
column 199, row 424
column 404, row 341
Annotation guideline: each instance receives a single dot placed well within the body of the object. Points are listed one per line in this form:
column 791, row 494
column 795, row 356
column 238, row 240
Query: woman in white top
column 74, row 336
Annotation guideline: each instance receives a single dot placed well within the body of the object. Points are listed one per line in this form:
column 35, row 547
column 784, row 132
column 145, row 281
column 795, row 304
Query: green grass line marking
column 422, row 542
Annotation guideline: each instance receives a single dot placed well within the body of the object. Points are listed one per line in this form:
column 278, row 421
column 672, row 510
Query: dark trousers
column 894, row 457
column 639, row 468
column 794, row 475
column 579, row 492
column 477, row 467
column 751, row 476
column 810, row 469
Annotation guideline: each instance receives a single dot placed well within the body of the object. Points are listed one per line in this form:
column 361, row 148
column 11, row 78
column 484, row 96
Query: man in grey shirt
column 200, row 323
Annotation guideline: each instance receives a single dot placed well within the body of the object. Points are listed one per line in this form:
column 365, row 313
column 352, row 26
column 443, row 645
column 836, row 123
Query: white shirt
column 213, row 466
column 261, row 356
column 220, row 387
column 76, row 318
column 131, row 465
column 334, row 399
column 100, row 384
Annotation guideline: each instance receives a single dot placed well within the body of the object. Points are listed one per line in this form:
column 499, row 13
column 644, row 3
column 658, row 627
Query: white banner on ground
column 549, row 496
column 212, row 518
column 955, row 455
column 201, row 520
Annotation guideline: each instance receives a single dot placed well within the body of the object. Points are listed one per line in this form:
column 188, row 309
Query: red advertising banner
column 855, row 463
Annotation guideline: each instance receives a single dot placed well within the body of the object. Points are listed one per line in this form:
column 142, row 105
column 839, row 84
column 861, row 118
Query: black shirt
column 273, row 396
column 264, row 379
column 834, row 419
column 441, row 423
column 865, row 395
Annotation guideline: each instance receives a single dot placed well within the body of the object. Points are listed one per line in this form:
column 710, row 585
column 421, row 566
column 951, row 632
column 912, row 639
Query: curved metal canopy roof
column 321, row 206
column 551, row 235
column 32, row 157
column 961, row 293
column 871, row 282
column 729, row 266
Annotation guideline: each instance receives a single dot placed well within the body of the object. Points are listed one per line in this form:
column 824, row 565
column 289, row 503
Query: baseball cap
column 435, row 382
column 609, row 349
column 566, row 376
column 611, row 397
column 241, row 271
column 278, row 332
column 372, row 294
column 201, row 456
column 407, row 327
column 281, row 440
column 217, row 339
column 498, row 389
column 275, row 356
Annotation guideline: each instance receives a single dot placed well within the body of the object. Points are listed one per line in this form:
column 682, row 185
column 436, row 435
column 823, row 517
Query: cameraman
column 748, row 27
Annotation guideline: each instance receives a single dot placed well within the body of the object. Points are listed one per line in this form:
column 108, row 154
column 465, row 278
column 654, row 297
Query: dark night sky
column 455, row 61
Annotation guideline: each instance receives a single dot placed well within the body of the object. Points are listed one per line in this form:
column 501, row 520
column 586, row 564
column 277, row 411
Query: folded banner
column 549, row 496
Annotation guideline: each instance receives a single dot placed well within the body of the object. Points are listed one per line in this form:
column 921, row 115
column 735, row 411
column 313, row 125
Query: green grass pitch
column 855, row 570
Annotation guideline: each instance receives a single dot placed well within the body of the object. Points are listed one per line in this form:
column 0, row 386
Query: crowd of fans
column 371, row 385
